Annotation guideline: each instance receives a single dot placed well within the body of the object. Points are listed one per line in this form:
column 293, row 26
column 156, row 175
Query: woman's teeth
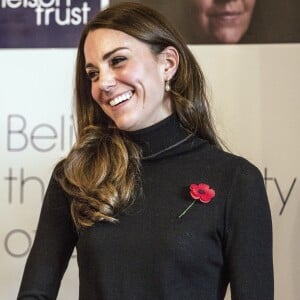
column 121, row 98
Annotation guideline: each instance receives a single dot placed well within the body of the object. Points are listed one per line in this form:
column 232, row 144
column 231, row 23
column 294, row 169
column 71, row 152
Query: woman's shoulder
column 55, row 192
column 228, row 161
column 242, row 177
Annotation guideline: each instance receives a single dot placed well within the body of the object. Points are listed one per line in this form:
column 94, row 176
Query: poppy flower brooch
column 199, row 192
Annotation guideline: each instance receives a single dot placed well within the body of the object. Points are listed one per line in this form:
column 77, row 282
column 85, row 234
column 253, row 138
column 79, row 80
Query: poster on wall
column 44, row 23
column 230, row 22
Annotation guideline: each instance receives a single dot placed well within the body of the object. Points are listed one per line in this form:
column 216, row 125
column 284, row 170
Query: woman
column 154, row 207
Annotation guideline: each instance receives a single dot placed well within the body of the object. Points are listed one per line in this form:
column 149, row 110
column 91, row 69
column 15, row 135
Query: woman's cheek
column 95, row 92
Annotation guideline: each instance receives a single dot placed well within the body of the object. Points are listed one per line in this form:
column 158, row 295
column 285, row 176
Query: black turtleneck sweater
column 153, row 254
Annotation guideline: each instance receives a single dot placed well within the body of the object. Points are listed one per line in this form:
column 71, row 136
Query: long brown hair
column 101, row 172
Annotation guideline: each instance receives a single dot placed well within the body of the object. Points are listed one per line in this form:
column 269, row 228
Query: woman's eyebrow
column 107, row 55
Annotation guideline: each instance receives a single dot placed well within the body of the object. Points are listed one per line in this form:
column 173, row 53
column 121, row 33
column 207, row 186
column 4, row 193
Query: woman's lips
column 225, row 18
column 121, row 98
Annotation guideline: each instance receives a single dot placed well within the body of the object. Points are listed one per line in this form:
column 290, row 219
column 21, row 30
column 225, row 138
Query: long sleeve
column 53, row 245
column 248, row 247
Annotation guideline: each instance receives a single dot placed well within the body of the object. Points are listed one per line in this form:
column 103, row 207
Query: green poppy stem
column 183, row 213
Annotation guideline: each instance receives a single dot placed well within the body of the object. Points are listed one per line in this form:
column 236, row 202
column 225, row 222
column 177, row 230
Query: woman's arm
column 53, row 245
column 248, row 247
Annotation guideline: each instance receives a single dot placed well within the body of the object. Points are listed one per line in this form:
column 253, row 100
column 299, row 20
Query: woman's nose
column 107, row 81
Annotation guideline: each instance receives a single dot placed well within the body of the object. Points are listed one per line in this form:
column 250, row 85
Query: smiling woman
column 128, row 79
column 125, row 196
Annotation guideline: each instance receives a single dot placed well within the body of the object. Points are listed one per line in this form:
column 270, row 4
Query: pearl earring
column 167, row 86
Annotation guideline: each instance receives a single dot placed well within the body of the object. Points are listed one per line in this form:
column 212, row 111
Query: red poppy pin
column 199, row 192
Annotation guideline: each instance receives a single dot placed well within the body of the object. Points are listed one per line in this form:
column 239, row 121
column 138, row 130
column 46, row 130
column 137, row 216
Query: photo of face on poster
column 232, row 21
column 223, row 22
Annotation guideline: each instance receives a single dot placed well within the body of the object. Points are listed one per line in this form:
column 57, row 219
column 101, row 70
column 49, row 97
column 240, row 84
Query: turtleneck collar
column 160, row 138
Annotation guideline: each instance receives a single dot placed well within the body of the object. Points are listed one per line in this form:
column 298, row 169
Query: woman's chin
column 126, row 125
column 228, row 36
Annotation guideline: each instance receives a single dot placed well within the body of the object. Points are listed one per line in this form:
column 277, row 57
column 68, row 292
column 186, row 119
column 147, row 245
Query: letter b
column 16, row 137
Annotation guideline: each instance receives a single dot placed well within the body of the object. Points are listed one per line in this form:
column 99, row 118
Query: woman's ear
column 170, row 60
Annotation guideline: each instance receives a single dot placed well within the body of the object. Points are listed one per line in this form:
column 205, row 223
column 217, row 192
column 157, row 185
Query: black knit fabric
column 153, row 254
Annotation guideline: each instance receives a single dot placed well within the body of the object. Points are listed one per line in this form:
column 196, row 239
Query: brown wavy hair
column 102, row 171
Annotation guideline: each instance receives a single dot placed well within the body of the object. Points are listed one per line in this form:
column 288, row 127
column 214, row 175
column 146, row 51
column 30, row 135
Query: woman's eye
column 92, row 75
column 116, row 60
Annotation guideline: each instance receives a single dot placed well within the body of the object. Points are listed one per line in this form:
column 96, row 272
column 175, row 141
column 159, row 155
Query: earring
column 167, row 86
